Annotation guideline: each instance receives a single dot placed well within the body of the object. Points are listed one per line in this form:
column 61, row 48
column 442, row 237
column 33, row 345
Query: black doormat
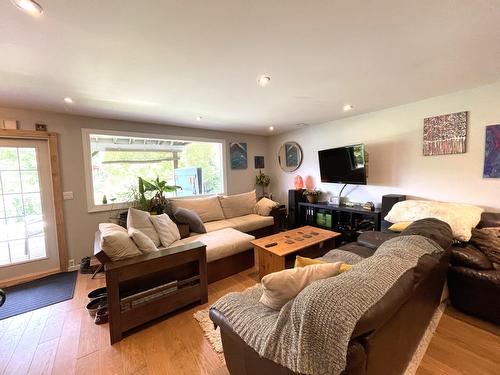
column 38, row 293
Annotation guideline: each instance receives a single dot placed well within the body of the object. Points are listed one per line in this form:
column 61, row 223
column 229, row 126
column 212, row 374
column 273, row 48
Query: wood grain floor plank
column 67, row 349
column 43, row 360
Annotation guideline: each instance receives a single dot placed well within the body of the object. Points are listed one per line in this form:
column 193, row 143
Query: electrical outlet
column 71, row 263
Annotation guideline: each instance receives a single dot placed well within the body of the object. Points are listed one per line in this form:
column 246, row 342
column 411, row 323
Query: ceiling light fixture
column 68, row 100
column 264, row 80
column 271, row 128
column 348, row 107
column 29, row 6
column 199, row 118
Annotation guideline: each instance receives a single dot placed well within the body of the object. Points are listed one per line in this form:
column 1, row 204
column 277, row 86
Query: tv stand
column 350, row 221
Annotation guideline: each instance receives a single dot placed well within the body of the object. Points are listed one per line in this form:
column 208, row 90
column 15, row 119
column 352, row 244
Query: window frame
column 87, row 162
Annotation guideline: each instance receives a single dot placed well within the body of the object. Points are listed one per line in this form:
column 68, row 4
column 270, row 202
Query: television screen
column 343, row 165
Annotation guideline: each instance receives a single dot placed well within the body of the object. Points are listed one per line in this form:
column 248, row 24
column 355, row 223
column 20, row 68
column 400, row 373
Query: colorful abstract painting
column 492, row 152
column 445, row 134
column 238, row 155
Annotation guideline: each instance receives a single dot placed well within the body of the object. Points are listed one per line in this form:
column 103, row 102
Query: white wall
column 393, row 139
column 81, row 225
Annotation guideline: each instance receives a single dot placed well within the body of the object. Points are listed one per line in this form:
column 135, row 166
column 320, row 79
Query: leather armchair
column 474, row 284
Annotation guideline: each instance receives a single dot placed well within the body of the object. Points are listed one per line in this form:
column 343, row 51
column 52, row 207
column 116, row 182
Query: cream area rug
column 213, row 336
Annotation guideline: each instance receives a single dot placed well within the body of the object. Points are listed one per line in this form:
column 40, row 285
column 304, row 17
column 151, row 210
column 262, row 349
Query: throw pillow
column 304, row 262
column 281, row 287
column 265, row 206
column 142, row 241
column 166, row 228
column 461, row 217
column 208, row 209
column 185, row 216
column 140, row 220
column 238, row 205
column 488, row 242
column 116, row 243
column 399, row 227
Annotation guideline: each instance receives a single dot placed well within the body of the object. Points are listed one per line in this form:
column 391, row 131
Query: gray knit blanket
column 310, row 334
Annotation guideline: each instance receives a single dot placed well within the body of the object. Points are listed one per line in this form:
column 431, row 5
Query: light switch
column 67, row 195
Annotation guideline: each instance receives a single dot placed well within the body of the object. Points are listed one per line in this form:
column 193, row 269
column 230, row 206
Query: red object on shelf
column 298, row 182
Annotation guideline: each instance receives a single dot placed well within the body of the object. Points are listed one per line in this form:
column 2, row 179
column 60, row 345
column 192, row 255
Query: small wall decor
column 238, row 155
column 445, row 134
column 259, row 162
column 492, row 152
column 40, row 127
column 10, row 124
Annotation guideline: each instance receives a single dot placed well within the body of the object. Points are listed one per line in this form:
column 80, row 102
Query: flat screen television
column 343, row 165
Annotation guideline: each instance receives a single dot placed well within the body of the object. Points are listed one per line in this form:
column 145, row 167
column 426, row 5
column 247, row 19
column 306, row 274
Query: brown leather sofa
column 385, row 338
column 473, row 282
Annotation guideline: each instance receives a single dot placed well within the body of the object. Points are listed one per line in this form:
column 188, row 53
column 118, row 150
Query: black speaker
column 390, row 200
column 294, row 197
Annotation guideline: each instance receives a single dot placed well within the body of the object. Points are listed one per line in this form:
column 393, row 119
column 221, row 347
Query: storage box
column 324, row 219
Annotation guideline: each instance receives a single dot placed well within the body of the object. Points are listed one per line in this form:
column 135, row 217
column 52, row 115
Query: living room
column 246, row 89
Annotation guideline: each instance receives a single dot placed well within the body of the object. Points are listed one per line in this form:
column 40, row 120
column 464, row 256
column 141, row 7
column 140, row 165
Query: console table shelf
column 338, row 218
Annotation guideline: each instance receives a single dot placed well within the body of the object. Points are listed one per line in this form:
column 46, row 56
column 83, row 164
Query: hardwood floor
column 63, row 339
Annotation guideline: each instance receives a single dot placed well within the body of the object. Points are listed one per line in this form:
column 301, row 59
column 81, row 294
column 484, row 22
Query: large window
column 115, row 161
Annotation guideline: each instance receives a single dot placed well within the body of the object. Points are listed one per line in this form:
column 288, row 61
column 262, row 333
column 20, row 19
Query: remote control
column 271, row 244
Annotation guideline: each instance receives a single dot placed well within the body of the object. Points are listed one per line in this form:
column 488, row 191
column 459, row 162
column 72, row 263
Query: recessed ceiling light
column 264, row 80
column 348, row 107
column 199, row 118
column 271, row 128
column 29, row 6
column 68, row 100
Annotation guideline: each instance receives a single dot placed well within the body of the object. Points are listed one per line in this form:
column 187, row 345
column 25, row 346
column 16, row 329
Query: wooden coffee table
column 306, row 241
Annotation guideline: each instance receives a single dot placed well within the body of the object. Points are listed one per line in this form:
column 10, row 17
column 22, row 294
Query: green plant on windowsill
column 156, row 189
column 312, row 195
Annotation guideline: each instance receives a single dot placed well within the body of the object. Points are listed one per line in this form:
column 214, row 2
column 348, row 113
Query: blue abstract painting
column 238, row 155
column 492, row 152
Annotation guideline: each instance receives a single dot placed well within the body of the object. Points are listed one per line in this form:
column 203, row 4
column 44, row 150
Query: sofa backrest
column 489, row 219
column 208, row 209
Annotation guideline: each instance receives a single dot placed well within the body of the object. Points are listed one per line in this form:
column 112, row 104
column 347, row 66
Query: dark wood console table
column 340, row 216
column 148, row 286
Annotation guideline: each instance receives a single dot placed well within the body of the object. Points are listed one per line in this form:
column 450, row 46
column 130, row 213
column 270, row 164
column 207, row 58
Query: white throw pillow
column 140, row 220
column 265, row 206
column 116, row 243
column 208, row 209
column 142, row 241
column 281, row 287
column 166, row 228
column 238, row 205
column 461, row 217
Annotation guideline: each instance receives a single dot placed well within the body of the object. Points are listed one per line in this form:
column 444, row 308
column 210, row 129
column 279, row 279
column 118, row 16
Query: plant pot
column 312, row 198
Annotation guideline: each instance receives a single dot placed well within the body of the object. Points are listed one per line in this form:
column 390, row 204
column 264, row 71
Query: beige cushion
column 219, row 224
column 208, row 209
column 221, row 243
column 139, row 220
column 251, row 222
column 281, row 287
column 116, row 243
column 166, row 228
column 238, row 205
column 461, row 217
column 142, row 241
column 265, row 206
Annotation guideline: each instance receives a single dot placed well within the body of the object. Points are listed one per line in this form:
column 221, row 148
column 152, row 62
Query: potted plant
column 312, row 195
column 263, row 180
column 158, row 203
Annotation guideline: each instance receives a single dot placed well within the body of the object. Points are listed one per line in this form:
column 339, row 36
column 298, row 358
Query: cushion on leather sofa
column 248, row 223
column 238, row 204
column 471, row 257
column 373, row 239
column 221, row 243
column 208, row 209
column 435, row 229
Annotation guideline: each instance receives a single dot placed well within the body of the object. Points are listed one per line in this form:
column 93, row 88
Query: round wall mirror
column 290, row 156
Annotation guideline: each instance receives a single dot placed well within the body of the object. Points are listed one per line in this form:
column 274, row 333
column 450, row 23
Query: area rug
column 213, row 337
column 38, row 293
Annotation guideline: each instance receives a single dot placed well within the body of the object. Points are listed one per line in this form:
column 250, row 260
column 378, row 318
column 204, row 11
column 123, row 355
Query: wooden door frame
column 53, row 145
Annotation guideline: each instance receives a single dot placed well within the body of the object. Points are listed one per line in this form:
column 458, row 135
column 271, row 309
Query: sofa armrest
column 470, row 257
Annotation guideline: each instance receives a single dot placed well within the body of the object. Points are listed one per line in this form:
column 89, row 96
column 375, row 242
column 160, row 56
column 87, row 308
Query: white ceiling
column 171, row 61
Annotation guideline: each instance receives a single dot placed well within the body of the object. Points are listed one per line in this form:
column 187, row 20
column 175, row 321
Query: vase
column 312, row 198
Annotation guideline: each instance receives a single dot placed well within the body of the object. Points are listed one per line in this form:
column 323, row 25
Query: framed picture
column 445, row 134
column 238, row 155
column 259, row 162
column 291, row 155
column 492, row 152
